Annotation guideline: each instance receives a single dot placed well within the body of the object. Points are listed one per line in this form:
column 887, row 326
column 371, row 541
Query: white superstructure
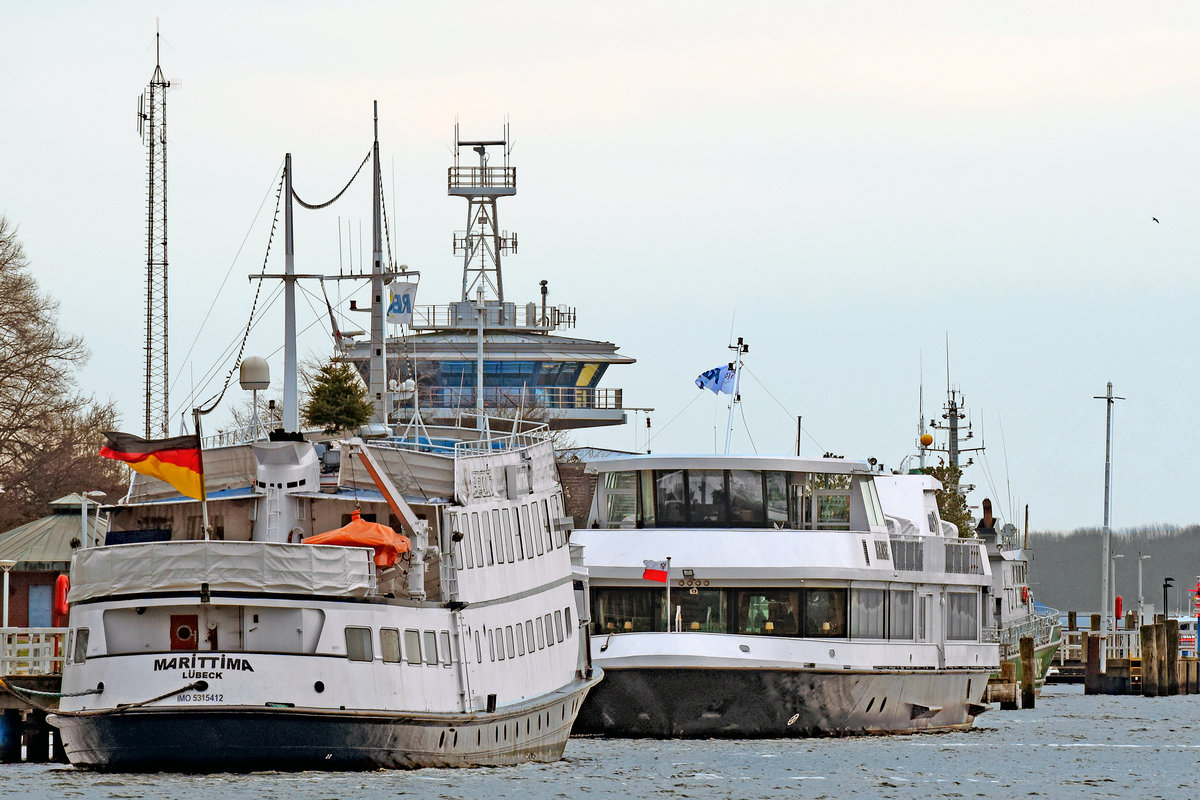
column 806, row 597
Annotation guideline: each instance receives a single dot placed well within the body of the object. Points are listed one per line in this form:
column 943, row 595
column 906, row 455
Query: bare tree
column 49, row 431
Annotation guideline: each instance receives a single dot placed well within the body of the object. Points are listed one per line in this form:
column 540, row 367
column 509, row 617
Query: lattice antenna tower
column 483, row 242
column 152, row 127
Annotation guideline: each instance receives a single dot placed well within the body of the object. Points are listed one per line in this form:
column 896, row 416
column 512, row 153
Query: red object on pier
column 1118, row 606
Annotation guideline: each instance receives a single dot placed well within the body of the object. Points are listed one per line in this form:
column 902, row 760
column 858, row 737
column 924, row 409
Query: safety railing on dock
column 32, row 651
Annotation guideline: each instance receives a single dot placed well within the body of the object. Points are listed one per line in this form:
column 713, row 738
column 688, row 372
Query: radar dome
column 254, row 373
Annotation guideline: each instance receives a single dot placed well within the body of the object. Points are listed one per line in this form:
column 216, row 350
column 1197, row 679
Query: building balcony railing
column 530, row 316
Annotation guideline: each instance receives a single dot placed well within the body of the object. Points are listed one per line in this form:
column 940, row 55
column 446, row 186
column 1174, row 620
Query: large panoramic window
column 825, row 612
column 774, row 612
column 702, row 611
column 627, row 610
column 866, row 614
column 900, row 614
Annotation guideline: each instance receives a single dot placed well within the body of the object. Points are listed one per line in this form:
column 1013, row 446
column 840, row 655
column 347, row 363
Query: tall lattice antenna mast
column 482, row 243
column 152, row 127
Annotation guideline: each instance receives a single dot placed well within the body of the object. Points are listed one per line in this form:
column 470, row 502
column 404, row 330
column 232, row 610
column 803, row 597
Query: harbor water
column 1069, row 746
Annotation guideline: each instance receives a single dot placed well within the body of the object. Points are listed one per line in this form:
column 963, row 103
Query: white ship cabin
column 779, row 546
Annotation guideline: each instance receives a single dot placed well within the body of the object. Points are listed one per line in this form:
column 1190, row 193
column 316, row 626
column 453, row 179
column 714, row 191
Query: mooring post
column 37, row 738
column 1028, row 672
column 1171, row 656
column 1091, row 671
column 1008, row 679
column 1149, row 661
column 1072, row 620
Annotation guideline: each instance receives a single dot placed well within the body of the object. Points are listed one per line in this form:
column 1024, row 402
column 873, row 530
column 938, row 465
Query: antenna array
column 152, row 127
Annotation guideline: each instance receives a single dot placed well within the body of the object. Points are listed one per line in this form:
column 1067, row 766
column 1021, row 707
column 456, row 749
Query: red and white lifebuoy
column 62, row 587
column 1024, row 594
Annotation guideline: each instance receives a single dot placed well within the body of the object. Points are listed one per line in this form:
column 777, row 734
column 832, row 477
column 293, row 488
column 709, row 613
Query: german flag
column 175, row 460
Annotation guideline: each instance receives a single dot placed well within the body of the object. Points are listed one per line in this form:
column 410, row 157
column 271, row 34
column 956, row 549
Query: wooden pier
column 1137, row 660
column 30, row 658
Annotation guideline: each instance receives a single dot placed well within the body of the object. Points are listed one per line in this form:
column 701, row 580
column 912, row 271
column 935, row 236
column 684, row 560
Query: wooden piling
column 1095, row 622
column 37, row 738
column 1091, row 672
column 1072, row 620
column 1160, row 644
column 1028, row 672
column 1172, row 656
column 1008, row 676
column 1149, row 661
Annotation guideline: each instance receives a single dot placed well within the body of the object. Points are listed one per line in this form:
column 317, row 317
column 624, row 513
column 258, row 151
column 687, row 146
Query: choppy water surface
column 1070, row 746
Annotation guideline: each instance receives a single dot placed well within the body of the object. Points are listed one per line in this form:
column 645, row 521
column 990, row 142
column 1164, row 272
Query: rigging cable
column 781, row 405
column 327, row 203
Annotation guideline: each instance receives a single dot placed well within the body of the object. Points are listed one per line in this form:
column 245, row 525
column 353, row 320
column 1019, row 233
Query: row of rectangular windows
column 433, row 647
column 489, row 536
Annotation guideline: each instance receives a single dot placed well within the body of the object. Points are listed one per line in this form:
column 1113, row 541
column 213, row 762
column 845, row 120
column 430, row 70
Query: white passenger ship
column 794, row 606
column 241, row 647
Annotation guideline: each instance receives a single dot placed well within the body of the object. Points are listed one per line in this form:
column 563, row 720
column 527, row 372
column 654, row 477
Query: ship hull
column 243, row 739
column 775, row 703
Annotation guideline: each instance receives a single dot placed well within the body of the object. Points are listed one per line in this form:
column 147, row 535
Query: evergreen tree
column 952, row 506
column 337, row 400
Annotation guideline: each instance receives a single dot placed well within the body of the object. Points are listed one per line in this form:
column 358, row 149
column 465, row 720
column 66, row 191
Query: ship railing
column 32, row 651
column 963, row 558
column 496, row 315
column 908, row 552
column 481, row 177
column 552, row 398
column 499, row 440
column 1041, row 629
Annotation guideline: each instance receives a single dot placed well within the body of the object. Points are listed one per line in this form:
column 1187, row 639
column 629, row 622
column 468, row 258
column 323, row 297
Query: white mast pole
column 738, row 349
column 291, row 404
column 378, row 369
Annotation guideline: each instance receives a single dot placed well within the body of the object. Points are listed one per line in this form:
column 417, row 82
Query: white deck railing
column 32, row 651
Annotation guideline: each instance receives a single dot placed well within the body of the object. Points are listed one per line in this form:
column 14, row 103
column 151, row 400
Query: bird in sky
column 1156, row 220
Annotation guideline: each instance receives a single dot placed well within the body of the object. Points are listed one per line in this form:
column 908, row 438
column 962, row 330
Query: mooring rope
column 16, row 691
column 316, row 206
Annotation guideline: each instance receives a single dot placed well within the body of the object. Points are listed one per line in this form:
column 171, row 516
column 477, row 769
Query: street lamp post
column 6, row 565
column 1167, row 583
column 1141, row 558
column 83, row 515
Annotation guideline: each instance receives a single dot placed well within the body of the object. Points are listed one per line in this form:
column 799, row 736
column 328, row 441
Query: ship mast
column 152, row 127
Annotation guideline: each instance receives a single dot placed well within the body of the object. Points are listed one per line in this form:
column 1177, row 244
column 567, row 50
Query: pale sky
column 845, row 185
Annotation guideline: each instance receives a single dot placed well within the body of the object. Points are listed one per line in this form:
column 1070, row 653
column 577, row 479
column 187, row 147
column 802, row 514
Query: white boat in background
column 243, row 647
column 805, row 597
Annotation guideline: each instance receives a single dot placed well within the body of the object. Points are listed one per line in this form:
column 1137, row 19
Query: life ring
column 1024, row 594
column 62, row 586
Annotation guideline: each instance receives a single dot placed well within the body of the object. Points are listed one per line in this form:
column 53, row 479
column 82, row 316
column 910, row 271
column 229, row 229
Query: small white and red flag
column 655, row 571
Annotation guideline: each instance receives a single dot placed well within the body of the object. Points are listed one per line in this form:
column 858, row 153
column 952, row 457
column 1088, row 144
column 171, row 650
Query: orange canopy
column 359, row 533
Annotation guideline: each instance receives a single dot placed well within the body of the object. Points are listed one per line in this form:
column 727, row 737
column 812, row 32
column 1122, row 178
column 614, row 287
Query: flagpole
column 738, row 348
column 668, row 594
column 200, row 457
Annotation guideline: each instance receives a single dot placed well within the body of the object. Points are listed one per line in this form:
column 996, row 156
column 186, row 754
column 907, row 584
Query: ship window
column 824, row 612
column 866, row 614
column 508, row 536
column 826, row 502
column 619, row 499
column 900, row 614
column 932, row 523
column 520, row 634
column 871, row 502
column 500, row 644
column 532, row 531
column 447, row 656
column 670, row 498
column 549, row 626
column 645, row 504
column 707, row 496
column 487, row 539
column 492, row 644
column 511, row 646
column 568, row 625
column 412, row 646
column 558, row 624
column 498, row 538
column 431, row 652
column 389, row 645
column 537, row 629
column 81, row 645
column 621, row 610
column 550, row 543
column 773, row 612
column 777, row 499
column 529, row 635
column 478, row 648
column 475, row 537
column 745, row 497
column 962, row 615
column 462, row 548
column 520, row 535
column 703, row 611
column 358, row 644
